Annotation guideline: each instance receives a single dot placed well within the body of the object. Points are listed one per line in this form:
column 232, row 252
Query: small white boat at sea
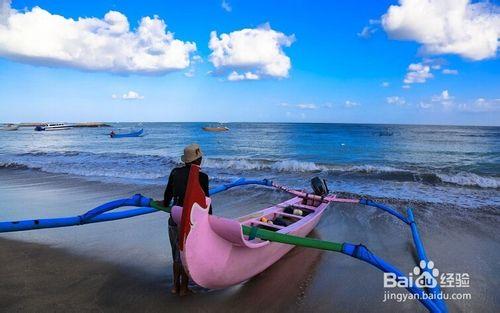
column 10, row 127
column 53, row 127
column 216, row 128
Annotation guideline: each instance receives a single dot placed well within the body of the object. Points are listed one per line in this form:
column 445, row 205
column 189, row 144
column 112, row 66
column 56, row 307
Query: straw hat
column 191, row 153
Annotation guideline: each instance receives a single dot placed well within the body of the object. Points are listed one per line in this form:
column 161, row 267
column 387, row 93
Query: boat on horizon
column 10, row 127
column 216, row 128
column 53, row 127
column 137, row 133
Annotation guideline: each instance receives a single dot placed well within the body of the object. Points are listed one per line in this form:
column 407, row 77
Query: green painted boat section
column 158, row 205
column 292, row 240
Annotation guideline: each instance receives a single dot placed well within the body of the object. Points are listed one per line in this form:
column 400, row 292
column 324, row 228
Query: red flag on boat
column 194, row 194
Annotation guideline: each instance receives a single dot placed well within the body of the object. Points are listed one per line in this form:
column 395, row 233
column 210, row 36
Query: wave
column 470, row 179
column 151, row 167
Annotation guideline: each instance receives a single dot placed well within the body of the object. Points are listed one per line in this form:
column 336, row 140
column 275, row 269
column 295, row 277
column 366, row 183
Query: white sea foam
column 151, row 167
column 470, row 179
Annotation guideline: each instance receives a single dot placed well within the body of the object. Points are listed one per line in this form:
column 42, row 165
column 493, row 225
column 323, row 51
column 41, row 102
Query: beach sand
column 124, row 266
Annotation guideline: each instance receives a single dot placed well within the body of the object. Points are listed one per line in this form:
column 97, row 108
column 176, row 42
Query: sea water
column 458, row 165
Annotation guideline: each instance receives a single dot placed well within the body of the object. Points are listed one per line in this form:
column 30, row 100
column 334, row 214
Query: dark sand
column 124, row 266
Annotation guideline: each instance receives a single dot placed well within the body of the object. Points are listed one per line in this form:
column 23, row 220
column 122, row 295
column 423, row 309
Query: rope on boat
column 146, row 205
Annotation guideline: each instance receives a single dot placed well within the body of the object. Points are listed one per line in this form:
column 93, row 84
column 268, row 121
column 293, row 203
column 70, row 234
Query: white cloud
column 443, row 100
column 396, row 100
column 257, row 51
column 190, row 73
column 39, row 37
column 417, row 73
column 425, row 105
column 226, row 6
column 369, row 30
column 448, row 71
column 307, row 106
column 131, row 95
column 385, row 84
column 351, row 104
column 443, row 96
column 235, row 76
column 301, row 106
column 470, row 30
column 481, row 105
column 366, row 32
column 405, row 86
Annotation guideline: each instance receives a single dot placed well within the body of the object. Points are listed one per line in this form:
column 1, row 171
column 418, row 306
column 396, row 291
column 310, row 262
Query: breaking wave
column 134, row 166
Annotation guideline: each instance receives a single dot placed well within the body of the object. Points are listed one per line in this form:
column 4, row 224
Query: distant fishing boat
column 215, row 128
column 53, row 127
column 385, row 133
column 10, row 127
column 138, row 133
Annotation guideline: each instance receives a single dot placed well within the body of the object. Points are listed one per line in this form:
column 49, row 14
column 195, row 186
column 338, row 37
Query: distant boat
column 10, row 127
column 53, row 127
column 216, row 128
column 138, row 133
column 385, row 133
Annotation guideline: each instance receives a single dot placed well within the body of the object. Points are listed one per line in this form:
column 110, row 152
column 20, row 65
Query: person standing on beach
column 175, row 191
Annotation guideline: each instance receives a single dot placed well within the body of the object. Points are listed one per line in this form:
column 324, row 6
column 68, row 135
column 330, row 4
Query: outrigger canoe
column 219, row 252
column 127, row 135
column 214, row 251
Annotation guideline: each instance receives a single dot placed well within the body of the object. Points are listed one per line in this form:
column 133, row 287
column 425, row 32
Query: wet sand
column 124, row 266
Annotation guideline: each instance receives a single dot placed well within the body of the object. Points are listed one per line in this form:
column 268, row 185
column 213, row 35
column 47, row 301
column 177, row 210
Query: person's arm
column 204, row 186
column 169, row 191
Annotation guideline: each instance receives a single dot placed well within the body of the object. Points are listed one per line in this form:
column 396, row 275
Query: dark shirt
column 176, row 187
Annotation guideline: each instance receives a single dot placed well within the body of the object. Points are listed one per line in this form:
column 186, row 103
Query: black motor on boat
column 319, row 186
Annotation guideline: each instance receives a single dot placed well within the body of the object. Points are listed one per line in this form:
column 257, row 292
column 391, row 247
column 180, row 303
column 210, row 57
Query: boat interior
column 282, row 216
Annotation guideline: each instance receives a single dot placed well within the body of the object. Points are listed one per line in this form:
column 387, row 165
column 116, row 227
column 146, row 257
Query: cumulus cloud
column 258, row 51
column 226, row 6
column 385, row 84
column 396, row 100
column 443, row 96
column 131, row 95
column 481, row 105
column 39, row 37
column 460, row 27
column 417, row 73
column 442, row 100
column 448, row 71
column 235, row 76
column 307, row 106
column 350, row 104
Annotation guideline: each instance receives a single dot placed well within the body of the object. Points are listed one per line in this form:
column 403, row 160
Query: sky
column 404, row 62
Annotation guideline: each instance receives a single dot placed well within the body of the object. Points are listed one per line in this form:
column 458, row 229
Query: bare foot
column 174, row 290
column 186, row 292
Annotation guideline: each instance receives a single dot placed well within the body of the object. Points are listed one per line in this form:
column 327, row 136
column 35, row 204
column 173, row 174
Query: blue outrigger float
column 431, row 298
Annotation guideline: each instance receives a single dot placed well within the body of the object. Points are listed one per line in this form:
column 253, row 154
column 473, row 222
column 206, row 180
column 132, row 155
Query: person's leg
column 177, row 265
column 184, row 283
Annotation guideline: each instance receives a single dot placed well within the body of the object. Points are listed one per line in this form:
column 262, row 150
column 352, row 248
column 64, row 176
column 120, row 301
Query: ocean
column 442, row 164
column 449, row 175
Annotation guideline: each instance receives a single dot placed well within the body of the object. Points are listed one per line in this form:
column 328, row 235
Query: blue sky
column 345, row 63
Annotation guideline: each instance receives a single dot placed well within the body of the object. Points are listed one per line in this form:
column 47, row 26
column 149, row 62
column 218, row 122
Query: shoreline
column 125, row 265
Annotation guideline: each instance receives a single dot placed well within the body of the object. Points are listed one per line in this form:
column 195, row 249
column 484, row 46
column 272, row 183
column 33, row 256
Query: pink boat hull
column 217, row 255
